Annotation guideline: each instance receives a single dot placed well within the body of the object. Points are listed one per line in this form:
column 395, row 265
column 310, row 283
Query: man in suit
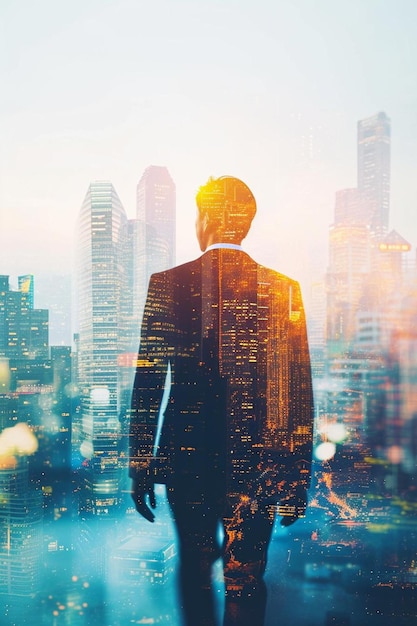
column 236, row 432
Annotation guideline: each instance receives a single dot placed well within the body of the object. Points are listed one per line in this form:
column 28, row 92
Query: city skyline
column 313, row 105
column 364, row 459
column 357, row 232
column 279, row 113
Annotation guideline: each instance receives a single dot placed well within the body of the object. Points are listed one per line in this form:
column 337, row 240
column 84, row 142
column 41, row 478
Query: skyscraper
column 20, row 531
column 101, row 281
column 153, row 234
column 348, row 208
column 135, row 263
column 25, row 386
column 349, row 264
column 155, row 207
column 374, row 150
column 361, row 219
column 24, row 330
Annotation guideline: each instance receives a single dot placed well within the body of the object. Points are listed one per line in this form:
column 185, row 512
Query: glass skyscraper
column 361, row 220
column 155, row 207
column 24, row 329
column 374, row 161
column 20, row 531
column 101, row 284
column 115, row 258
column 152, row 236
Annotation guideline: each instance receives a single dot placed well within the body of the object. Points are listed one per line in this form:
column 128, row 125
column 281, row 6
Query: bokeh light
column 325, row 451
column 87, row 449
column 336, row 432
column 18, row 440
column 71, row 390
column 395, row 455
column 100, row 396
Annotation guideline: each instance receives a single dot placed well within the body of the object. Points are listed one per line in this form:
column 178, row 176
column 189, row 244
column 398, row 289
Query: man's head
column 225, row 210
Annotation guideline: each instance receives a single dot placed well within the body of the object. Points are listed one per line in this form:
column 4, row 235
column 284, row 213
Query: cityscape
column 73, row 550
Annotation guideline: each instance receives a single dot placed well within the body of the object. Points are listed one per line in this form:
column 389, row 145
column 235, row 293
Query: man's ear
column 205, row 221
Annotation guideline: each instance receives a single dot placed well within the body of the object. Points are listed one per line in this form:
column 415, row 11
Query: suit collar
column 227, row 246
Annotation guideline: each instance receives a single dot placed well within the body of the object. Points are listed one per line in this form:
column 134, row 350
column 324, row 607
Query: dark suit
column 237, row 430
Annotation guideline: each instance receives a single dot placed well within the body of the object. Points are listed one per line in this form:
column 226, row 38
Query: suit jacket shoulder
column 178, row 270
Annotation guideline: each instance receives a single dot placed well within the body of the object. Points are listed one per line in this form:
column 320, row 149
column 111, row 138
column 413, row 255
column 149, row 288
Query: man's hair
column 229, row 204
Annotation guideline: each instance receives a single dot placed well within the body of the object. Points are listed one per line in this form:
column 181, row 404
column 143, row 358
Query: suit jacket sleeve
column 151, row 370
column 301, row 408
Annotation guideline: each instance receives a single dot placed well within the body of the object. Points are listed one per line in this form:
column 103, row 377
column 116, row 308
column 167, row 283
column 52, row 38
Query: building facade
column 374, row 169
column 20, row 531
column 156, row 208
column 361, row 219
column 101, row 285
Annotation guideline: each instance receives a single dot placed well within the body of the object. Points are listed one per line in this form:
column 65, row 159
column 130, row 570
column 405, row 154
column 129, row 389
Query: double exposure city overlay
column 73, row 549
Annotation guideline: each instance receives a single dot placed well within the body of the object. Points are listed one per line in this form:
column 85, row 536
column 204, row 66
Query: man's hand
column 143, row 488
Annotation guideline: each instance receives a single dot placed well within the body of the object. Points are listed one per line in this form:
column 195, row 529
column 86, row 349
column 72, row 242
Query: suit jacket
column 233, row 334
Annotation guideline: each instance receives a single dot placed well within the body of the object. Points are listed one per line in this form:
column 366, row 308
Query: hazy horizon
column 270, row 92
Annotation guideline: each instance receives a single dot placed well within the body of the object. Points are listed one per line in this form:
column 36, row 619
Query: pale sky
column 266, row 90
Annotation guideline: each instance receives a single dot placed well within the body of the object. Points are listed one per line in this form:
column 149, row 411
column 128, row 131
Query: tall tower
column 374, row 155
column 101, row 281
column 20, row 531
column 24, row 330
column 155, row 207
column 361, row 219
column 349, row 263
column 154, row 231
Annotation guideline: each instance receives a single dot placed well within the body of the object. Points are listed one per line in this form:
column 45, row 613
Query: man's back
column 234, row 335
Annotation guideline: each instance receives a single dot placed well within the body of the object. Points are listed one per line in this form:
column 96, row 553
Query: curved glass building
column 101, row 286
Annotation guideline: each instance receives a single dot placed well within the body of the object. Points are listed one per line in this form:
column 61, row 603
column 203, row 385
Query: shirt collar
column 230, row 246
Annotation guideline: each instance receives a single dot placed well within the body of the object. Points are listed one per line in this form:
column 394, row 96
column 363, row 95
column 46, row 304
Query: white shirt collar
column 230, row 246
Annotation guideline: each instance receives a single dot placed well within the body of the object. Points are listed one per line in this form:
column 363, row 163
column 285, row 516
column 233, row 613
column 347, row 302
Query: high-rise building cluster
column 366, row 260
column 35, row 436
column 115, row 258
column 63, row 410
column 366, row 378
column 371, row 299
